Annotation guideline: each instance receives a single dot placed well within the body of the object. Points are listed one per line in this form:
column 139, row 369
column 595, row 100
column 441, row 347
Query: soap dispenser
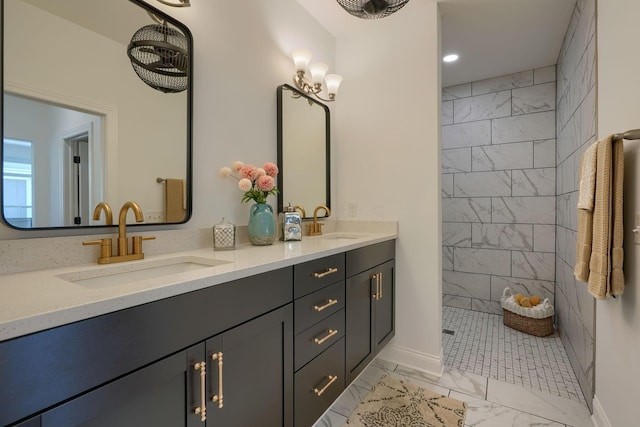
column 291, row 224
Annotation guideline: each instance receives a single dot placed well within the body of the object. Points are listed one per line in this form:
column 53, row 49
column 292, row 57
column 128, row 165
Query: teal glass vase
column 262, row 225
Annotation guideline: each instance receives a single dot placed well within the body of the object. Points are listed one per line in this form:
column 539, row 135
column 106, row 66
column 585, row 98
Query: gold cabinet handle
column 218, row 397
column 327, row 272
column 329, row 303
column 330, row 333
column 202, row 409
column 380, row 282
column 332, row 379
column 376, row 277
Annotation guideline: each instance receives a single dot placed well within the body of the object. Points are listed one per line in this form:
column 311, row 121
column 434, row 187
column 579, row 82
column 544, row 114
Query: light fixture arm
column 310, row 88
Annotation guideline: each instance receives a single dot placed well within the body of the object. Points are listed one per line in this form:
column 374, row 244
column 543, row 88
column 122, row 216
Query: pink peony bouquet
column 257, row 183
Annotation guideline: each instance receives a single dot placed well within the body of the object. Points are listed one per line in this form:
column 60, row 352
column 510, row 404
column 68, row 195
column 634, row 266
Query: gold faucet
column 106, row 252
column 103, row 206
column 315, row 229
column 301, row 209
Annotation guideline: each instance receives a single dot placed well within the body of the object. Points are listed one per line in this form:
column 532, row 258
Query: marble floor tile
column 349, row 399
column 331, row 419
column 454, row 379
column 559, row 409
column 482, row 413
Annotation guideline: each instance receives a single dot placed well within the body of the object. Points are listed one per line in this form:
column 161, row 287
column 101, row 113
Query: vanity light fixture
column 452, row 57
column 181, row 3
column 371, row 9
column 318, row 70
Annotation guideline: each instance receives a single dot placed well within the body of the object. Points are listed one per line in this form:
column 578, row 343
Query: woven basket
column 537, row 321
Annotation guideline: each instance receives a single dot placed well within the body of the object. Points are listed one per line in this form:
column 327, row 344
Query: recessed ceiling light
column 450, row 58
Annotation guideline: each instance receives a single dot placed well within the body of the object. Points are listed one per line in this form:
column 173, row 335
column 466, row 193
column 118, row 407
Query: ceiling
column 492, row 37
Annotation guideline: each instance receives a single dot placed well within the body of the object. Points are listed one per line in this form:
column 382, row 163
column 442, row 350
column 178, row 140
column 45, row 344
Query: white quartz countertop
column 39, row 300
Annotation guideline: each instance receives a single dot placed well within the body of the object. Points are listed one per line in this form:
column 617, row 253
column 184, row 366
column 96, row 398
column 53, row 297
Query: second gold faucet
column 315, row 229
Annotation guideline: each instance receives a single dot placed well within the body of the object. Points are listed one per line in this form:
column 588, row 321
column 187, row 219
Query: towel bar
column 630, row 134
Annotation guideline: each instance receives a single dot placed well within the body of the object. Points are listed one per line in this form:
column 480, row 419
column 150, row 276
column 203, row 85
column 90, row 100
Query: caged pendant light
column 159, row 55
column 372, row 9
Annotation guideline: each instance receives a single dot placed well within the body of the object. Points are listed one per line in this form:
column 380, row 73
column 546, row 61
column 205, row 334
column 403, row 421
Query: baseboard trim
column 428, row 363
column 599, row 417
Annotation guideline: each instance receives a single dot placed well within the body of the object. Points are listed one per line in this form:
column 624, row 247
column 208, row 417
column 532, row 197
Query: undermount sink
column 138, row 270
column 346, row 236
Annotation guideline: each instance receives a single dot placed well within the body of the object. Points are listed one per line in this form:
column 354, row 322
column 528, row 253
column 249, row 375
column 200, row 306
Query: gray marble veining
column 503, row 157
column 456, row 160
column 472, row 209
column 456, row 301
column 447, row 185
column 456, row 234
column 534, row 99
column 466, row 284
column 544, row 238
column 487, row 261
column 486, row 306
column 502, row 236
column 527, row 127
column 447, row 258
column 544, row 75
column 534, row 182
column 544, row 153
column 482, row 184
column 530, row 210
column 447, row 112
column 533, row 265
column 483, row 107
column 466, row 134
column 456, row 92
column 511, row 81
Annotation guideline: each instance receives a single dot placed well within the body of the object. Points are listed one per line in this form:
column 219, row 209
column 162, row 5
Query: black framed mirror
column 71, row 94
column 304, row 148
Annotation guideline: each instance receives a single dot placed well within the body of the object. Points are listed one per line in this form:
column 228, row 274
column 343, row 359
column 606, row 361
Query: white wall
column 618, row 320
column 388, row 160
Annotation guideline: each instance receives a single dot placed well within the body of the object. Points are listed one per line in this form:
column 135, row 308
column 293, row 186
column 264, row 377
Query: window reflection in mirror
column 303, row 151
column 69, row 89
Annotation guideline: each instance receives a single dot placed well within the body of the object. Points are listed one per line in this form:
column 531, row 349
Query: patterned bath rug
column 397, row 403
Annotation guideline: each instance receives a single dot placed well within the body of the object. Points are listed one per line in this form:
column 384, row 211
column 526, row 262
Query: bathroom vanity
column 266, row 336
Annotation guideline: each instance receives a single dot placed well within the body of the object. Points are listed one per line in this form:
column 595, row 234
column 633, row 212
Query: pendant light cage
column 160, row 57
column 372, row 9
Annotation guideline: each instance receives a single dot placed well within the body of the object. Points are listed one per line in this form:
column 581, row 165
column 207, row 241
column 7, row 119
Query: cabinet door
column 359, row 316
column 255, row 360
column 384, row 305
column 152, row 396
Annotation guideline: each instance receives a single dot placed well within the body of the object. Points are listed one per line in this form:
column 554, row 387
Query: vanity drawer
column 312, row 341
column 315, row 378
column 318, row 305
column 313, row 275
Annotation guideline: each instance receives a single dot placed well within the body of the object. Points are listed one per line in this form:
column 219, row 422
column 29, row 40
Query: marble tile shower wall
column 576, row 130
column 499, row 186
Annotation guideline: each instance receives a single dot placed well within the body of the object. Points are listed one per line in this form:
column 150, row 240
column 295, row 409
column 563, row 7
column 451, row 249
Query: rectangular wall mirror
column 79, row 126
column 303, row 151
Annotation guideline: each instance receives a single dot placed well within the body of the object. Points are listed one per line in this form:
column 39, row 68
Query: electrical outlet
column 352, row 209
column 154, row 216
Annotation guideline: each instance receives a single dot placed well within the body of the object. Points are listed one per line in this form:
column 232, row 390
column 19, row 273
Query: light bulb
column 301, row 58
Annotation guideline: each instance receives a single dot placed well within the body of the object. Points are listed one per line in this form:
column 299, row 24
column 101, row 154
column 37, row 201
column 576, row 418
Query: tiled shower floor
column 482, row 345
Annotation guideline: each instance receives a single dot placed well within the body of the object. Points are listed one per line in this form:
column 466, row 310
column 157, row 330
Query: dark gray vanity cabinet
column 319, row 336
column 370, row 304
column 137, row 367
